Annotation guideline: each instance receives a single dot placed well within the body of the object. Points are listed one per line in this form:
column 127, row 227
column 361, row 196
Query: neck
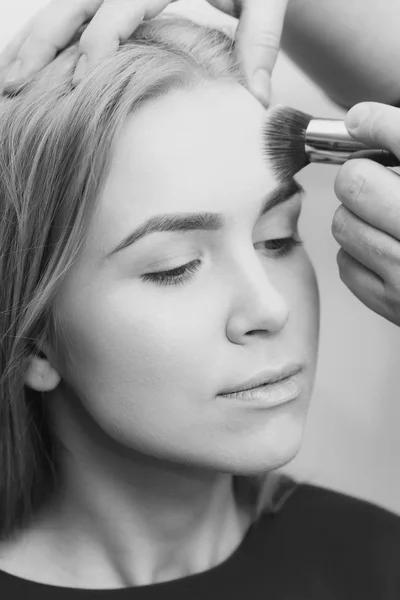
column 126, row 519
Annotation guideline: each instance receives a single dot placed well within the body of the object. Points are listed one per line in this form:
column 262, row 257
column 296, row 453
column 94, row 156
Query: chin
column 271, row 447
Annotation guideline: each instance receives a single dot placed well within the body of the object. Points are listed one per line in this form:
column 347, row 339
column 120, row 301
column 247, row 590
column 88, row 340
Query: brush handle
column 328, row 141
column 383, row 157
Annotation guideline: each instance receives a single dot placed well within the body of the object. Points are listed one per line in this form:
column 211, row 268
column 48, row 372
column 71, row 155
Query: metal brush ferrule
column 328, row 141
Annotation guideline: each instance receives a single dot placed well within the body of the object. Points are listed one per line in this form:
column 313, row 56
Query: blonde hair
column 55, row 145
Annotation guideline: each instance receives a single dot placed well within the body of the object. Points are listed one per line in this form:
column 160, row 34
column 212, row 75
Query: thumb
column 376, row 125
column 258, row 39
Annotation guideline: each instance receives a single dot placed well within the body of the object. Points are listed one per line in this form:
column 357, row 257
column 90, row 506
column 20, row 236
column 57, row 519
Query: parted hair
column 55, row 147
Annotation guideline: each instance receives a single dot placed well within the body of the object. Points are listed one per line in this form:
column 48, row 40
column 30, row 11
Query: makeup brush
column 293, row 139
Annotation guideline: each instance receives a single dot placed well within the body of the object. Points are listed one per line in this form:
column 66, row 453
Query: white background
column 352, row 441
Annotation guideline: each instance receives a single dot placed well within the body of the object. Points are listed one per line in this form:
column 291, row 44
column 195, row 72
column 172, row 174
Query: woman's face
column 152, row 351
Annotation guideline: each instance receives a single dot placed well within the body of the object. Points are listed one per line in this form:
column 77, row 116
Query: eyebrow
column 207, row 221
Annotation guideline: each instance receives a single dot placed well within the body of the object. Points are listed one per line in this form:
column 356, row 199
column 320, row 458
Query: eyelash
column 282, row 247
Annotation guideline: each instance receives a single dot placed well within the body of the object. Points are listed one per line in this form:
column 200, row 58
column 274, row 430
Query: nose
column 258, row 305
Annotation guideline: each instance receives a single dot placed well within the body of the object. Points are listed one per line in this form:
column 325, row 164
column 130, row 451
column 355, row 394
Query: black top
column 321, row 545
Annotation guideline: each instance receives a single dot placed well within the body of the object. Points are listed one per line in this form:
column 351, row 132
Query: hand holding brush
column 367, row 223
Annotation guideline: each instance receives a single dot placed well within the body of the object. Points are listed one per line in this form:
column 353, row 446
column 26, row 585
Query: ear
column 41, row 375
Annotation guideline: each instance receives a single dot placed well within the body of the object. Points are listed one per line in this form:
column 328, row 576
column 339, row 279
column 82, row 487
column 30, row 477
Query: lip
column 270, row 395
column 264, row 378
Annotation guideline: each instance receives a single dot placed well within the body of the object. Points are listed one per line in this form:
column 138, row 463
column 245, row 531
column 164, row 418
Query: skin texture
column 151, row 448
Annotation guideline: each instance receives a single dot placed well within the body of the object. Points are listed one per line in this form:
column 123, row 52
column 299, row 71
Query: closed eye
column 279, row 247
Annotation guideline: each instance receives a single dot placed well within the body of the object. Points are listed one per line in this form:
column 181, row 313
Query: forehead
column 191, row 150
column 215, row 130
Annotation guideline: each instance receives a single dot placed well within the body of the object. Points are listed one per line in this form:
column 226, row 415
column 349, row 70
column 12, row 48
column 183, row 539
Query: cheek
column 134, row 365
column 299, row 286
column 306, row 303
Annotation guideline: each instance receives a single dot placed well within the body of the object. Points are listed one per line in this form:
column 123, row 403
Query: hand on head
column 112, row 21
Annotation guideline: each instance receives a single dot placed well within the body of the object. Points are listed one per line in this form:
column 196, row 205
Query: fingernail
column 81, row 69
column 261, row 85
column 356, row 116
column 14, row 73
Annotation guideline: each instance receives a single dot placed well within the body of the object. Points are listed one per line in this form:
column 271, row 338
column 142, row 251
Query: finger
column 364, row 284
column 51, row 29
column 258, row 39
column 114, row 22
column 230, row 7
column 371, row 247
column 375, row 124
column 10, row 51
column 8, row 58
column 372, row 192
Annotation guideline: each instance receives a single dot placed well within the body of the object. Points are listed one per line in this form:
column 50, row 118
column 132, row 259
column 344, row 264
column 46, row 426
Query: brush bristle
column 284, row 141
